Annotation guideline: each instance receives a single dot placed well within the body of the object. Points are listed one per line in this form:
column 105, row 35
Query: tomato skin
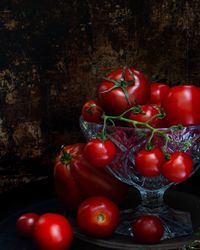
column 148, row 229
column 148, row 111
column 181, row 105
column 98, row 216
column 25, row 224
column 158, row 92
column 178, row 168
column 65, row 184
column 100, row 180
column 73, row 180
column 52, row 232
column 114, row 101
column 148, row 162
column 92, row 112
column 100, row 152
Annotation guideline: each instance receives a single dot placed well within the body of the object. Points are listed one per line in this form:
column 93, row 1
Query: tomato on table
column 98, row 217
column 148, row 229
column 25, row 224
column 52, row 232
column 121, row 89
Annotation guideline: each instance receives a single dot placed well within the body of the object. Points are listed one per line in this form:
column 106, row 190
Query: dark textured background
column 54, row 53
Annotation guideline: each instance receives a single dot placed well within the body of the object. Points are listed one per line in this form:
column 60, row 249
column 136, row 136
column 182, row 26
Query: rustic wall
column 53, row 52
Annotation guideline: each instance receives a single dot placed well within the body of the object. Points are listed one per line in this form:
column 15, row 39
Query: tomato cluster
column 152, row 163
column 81, row 181
column 126, row 95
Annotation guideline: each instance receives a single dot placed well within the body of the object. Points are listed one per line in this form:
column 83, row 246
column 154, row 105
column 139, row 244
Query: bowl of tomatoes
column 147, row 135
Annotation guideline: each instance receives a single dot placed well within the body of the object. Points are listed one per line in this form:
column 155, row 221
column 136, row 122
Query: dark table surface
column 40, row 197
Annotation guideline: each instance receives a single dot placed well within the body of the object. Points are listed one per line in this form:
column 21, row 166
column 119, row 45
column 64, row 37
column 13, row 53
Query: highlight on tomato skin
column 98, row 216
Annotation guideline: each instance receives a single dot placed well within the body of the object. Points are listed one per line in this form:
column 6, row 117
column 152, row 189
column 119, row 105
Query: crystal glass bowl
column 129, row 141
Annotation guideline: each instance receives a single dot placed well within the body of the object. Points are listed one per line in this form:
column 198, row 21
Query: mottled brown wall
column 54, row 53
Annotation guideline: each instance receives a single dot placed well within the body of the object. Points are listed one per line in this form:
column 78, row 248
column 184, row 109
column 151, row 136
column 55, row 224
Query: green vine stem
column 137, row 109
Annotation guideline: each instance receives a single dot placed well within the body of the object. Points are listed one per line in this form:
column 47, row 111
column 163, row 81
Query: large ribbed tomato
column 121, row 89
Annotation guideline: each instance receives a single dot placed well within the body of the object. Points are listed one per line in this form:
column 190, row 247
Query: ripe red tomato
column 74, row 177
column 149, row 162
column 52, row 232
column 98, row 216
column 181, row 105
column 158, row 92
column 147, row 112
column 148, row 229
column 121, row 89
column 92, row 111
column 25, row 224
column 178, row 168
column 100, row 152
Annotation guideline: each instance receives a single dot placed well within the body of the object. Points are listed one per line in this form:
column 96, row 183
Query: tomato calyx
column 137, row 110
column 121, row 83
column 65, row 157
column 89, row 110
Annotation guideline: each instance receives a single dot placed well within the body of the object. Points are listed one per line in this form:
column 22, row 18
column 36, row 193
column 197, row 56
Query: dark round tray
column 9, row 240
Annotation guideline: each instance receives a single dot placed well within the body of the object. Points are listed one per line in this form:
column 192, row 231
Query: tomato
column 181, row 105
column 158, row 92
column 98, row 216
column 100, row 152
column 121, row 89
column 25, row 224
column 148, row 229
column 178, row 168
column 147, row 112
column 52, row 232
column 65, row 184
column 92, row 112
column 149, row 162
column 74, row 177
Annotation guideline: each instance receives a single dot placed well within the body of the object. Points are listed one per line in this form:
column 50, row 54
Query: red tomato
column 121, row 89
column 148, row 229
column 100, row 152
column 147, row 112
column 52, row 232
column 149, row 162
column 178, row 168
column 25, row 224
column 158, row 92
column 92, row 112
column 98, row 216
column 74, row 177
column 181, row 105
